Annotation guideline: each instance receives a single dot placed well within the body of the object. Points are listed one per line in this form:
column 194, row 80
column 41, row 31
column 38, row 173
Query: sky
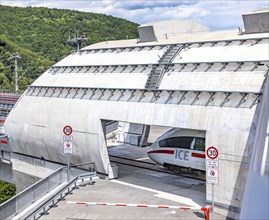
column 215, row 14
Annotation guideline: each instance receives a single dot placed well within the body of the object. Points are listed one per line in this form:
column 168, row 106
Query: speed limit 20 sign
column 212, row 153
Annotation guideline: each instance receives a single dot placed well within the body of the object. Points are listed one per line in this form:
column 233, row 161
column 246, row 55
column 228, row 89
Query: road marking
column 164, row 195
column 144, row 158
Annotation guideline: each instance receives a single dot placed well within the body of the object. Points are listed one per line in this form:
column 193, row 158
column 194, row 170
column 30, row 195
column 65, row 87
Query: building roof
column 178, row 39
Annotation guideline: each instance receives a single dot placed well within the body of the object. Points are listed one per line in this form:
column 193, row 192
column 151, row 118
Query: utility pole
column 77, row 40
column 16, row 57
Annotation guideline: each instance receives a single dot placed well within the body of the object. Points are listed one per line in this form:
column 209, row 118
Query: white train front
column 179, row 148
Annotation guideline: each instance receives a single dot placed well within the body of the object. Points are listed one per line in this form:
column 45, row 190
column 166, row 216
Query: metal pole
column 68, row 167
column 17, row 56
column 16, row 76
column 212, row 201
column 78, row 44
column 78, row 41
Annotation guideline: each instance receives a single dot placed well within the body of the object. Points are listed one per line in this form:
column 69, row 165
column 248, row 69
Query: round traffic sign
column 212, row 173
column 212, row 153
column 67, row 130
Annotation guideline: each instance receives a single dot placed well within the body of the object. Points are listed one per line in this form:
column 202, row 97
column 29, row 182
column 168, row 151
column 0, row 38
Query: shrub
column 7, row 190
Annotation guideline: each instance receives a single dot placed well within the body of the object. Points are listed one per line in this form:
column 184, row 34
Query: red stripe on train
column 3, row 141
column 9, row 100
column 198, row 155
column 161, row 152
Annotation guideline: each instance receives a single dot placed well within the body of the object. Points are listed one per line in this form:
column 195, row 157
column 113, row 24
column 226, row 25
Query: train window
column 176, row 142
column 199, row 144
column 163, row 143
column 184, row 142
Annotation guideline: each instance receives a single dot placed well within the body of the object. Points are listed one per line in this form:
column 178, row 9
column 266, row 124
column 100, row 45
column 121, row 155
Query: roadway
column 135, row 185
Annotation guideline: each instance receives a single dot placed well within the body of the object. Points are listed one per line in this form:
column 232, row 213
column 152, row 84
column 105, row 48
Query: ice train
column 179, row 148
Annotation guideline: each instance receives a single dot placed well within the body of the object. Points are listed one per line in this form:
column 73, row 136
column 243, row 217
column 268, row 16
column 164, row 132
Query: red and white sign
column 212, row 153
column 67, row 130
column 212, row 175
column 68, row 144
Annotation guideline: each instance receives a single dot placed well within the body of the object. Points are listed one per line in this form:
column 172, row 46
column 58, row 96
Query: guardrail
column 57, row 196
column 27, row 197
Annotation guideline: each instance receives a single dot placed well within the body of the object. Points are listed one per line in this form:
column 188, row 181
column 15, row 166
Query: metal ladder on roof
column 158, row 71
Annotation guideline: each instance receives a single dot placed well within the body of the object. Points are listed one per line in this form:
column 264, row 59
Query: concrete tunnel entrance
column 134, row 166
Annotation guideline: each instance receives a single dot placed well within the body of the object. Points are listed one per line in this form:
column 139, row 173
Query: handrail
column 160, row 64
column 3, row 158
column 43, row 205
column 47, row 201
column 18, row 203
column 82, row 164
column 15, row 200
column 160, row 77
column 140, row 89
column 183, row 43
column 176, row 53
column 38, row 182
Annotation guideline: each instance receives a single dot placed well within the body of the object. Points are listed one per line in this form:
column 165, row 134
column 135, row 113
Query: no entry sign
column 212, row 153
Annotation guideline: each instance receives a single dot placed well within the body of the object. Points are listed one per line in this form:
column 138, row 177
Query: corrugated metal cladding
column 208, row 81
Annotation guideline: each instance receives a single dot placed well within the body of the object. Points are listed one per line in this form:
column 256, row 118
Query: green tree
column 40, row 35
column 7, row 190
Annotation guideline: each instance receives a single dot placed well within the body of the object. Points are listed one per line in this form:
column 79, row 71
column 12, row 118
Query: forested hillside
column 39, row 35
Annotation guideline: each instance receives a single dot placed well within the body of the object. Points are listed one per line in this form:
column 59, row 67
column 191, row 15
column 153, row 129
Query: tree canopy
column 39, row 35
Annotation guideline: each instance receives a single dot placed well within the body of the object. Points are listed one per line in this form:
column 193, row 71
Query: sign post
column 212, row 164
column 68, row 145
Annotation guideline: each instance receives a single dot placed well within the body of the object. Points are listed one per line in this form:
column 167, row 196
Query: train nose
column 150, row 155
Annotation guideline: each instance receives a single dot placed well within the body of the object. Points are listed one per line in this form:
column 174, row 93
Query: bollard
column 206, row 211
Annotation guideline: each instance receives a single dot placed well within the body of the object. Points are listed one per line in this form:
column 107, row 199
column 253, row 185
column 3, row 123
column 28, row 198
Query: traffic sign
column 67, row 130
column 212, row 153
column 212, row 163
column 212, row 175
column 68, row 144
column 68, row 138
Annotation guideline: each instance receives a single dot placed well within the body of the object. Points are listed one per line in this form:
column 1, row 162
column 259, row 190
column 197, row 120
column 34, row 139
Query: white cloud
column 215, row 14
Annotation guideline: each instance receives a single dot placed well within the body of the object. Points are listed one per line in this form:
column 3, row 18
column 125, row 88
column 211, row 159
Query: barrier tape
column 206, row 210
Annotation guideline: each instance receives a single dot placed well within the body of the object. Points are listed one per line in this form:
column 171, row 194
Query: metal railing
column 27, row 197
column 42, row 208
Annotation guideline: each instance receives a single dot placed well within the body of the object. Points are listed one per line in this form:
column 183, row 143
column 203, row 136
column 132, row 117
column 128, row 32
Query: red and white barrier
column 206, row 210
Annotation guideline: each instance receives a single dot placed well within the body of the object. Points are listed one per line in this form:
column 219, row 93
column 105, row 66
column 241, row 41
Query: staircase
column 158, row 71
